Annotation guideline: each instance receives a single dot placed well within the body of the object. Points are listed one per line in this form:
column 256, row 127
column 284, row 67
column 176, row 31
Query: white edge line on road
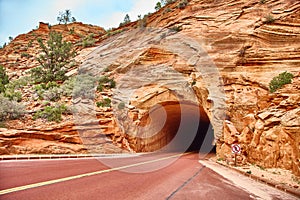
column 34, row 185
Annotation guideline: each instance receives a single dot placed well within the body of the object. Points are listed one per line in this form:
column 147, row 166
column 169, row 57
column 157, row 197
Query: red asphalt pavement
column 185, row 178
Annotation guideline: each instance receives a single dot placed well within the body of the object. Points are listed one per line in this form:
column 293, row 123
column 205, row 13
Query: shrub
column 121, row 106
column 55, row 57
column 40, row 89
column 50, row 91
column 269, row 19
column 52, row 94
column 41, row 86
column 125, row 21
column 106, row 69
column 280, row 80
column 26, row 55
column 65, row 17
column 68, row 87
column 10, row 109
column 105, row 82
column 84, row 86
column 158, row 6
column 104, row 103
column 30, row 43
column 72, row 31
column 50, row 85
column 3, row 79
column 262, row 1
column 12, row 87
column 19, row 83
column 166, row 2
column 182, row 4
column 51, row 113
column 111, row 32
column 167, row 10
column 112, row 83
column 176, row 28
column 261, row 167
column 13, row 95
column 194, row 82
column 88, row 41
column 142, row 23
column 2, row 124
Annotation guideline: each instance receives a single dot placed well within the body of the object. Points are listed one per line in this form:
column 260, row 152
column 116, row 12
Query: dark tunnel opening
column 176, row 127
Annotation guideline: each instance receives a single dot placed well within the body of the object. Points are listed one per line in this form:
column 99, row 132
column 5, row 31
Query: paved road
column 163, row 176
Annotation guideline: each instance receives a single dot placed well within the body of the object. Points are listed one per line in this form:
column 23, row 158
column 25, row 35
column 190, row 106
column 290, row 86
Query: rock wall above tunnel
column 248, row 52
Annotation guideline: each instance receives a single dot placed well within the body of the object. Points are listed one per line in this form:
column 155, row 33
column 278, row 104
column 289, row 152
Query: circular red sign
column 236, row 148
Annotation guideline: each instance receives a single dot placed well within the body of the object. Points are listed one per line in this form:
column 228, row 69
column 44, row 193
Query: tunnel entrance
column 176, row 127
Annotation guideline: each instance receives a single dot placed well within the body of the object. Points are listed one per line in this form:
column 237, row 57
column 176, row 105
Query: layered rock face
column 249, row 43
column 269, row 137
column 219, row 57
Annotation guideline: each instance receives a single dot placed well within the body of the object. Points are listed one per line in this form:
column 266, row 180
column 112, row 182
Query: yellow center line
column 34, row 185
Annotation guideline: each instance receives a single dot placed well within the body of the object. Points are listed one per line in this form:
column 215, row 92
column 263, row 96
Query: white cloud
column 67, row 4
column 113, row 20
column 140, row 7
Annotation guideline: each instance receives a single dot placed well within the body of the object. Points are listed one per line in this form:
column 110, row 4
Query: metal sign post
column 236, row 149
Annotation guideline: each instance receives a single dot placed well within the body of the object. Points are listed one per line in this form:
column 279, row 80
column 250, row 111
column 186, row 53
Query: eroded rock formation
column 218, row 55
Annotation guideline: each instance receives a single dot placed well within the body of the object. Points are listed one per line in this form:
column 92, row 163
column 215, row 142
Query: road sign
column 236, row 148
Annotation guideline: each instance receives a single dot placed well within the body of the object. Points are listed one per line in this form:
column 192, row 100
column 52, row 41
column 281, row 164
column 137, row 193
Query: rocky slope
column 222, row 56
column 19, row 55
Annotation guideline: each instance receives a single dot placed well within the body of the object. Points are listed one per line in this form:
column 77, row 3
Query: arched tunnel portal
column 175, row 127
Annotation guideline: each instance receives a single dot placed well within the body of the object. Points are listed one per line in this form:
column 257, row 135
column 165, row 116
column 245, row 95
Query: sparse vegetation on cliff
column 280, row 80
column 83, row 86
column 269, row 19
column 158, row 6
column 105, row 82
column 182, row 4
column 88, row 41
column 10, row 109
column 3, row 79
column 121, row 106
column 54, row 58
column 13, row 95
column 262, row 1
column 106, row 102
column 166, row 2
column 142, row 22
column 8, row 89
column 65, row 17
column 125, row 21
column 51, row 113
column 3, row 46
column 176, row 28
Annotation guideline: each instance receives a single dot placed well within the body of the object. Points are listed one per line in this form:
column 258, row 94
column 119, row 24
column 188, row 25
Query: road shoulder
column 258, row 189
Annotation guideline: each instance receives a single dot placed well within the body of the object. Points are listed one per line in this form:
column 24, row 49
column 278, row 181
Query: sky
column 21, row 16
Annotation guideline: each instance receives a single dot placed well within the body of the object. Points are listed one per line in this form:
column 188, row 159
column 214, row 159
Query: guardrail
column 63, row 156
column 36, row 157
